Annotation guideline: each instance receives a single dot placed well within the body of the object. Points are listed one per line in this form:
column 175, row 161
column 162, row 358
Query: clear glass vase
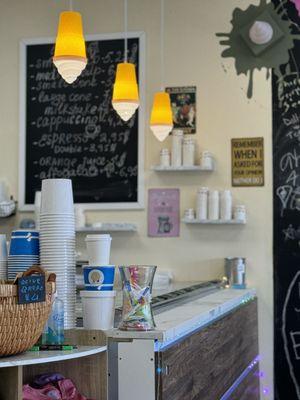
column 137, row 281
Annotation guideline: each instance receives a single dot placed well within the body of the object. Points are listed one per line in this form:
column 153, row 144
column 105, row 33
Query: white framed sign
column 72, row 131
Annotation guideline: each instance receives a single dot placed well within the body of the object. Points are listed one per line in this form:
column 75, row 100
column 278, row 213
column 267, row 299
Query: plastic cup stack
column 3, row 257
column 57, row 240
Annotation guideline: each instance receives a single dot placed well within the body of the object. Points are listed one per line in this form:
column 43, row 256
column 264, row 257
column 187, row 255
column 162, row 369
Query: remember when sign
column 247, row 158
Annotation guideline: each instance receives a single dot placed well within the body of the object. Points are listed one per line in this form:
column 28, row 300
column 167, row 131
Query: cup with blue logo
column 100, row 278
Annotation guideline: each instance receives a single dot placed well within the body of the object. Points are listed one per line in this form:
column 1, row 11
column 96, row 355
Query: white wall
column 224, row 112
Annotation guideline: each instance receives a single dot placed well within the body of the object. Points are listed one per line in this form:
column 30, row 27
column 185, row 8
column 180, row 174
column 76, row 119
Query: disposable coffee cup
column 24, row 243
column 3, row 248
column 25, row 233
column 98, row 309
column 79, row 217
column 99, row 277
column 37, row 208
column 57, row 197
column 98, row 249
column 3, row 192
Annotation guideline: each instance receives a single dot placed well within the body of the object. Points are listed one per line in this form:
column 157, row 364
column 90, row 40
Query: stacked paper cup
column 98, row 298
column 57, row 241
column 24, row 251
column 37, row 209
column 3, row 257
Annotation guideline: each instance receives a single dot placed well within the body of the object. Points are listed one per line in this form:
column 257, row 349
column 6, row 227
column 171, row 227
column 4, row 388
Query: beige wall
column 192, row 58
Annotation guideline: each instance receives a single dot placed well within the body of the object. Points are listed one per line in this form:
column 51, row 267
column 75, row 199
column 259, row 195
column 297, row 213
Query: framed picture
column 183, row 101
column 163, row 213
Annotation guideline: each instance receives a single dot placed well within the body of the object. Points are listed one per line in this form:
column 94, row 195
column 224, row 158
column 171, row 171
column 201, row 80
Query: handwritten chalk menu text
column 73, row 132
column 31, row 289
column 247, row 157
column 286, row 178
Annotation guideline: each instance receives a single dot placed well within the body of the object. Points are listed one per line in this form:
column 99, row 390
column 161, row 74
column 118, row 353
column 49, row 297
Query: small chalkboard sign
column 31, row 289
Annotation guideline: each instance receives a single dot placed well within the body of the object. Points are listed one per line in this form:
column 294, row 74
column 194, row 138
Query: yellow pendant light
column 125, row 93
column 125, row 99
column 161, row 120
column 70, row 54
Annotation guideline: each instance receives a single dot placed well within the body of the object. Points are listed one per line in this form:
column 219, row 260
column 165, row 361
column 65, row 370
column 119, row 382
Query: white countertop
column 40, row 357
column 157, row 291
column 183, row 319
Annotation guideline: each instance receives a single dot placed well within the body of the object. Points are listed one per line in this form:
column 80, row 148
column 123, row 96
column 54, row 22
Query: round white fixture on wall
column 261, row 32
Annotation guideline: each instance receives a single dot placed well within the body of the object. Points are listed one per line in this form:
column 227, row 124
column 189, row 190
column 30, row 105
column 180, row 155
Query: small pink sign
column 163, row 212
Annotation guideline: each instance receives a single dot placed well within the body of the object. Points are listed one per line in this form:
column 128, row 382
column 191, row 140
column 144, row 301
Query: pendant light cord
column 125, row 30
column 71, row 5
column 162, row 45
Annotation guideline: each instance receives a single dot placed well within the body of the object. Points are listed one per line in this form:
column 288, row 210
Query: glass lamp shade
column 70, row 54
column 125, row 98
column 161, row 120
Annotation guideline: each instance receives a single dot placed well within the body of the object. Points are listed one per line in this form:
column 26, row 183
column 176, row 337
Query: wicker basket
column 22, row 324
column 7, row 208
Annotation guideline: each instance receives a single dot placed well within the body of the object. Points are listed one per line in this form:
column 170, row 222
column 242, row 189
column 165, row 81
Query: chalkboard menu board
column 286, row 150
column 72, row 131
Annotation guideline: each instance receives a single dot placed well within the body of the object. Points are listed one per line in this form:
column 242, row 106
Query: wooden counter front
column 204, row 365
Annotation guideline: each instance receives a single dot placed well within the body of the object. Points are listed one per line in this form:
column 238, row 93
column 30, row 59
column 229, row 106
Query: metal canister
column 235, row 272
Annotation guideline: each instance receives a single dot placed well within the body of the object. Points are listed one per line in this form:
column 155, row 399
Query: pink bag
column 47, row 392
column 63, row 389
column 69, row 391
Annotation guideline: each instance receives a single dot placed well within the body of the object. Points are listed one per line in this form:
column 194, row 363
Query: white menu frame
column 140, row 203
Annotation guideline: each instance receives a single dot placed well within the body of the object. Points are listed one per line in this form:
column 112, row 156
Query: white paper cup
column 3, row 192
column 37, row 199
column 98, row 249
column 37, row 208
column 98, row 309
column 3, row 247
column 57, row 196
column 79, row 217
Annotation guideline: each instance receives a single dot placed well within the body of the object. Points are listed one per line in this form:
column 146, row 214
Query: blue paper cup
column 25, row 232
column 99, row 277
column 24, row 243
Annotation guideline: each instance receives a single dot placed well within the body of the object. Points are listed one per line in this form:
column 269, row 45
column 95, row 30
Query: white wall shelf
column 194, row 168
column 217, row 222
column 108, row 227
